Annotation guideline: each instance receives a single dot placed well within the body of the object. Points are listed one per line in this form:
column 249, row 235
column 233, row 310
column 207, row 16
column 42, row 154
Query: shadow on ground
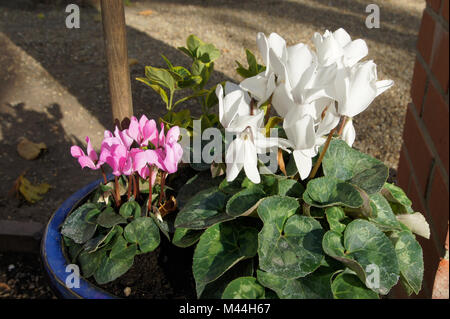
column 398, row 24
column 70, row 63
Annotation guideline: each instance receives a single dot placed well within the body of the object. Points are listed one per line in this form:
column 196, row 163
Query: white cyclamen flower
column 306, row 136
column 339, row 47
column 260, row 86
column 356, row 87
column 349, row 133
column 244, row 149
column 234, row 102
column 236, row 117
column 285, row 67
column 417, row 223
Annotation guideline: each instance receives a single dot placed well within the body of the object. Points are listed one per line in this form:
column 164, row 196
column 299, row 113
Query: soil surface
column 165, row 273
column 22, row 277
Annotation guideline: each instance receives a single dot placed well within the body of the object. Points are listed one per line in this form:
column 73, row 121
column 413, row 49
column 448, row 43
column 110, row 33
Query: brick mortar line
column 430, row 143
column 429, row 184
column 432, row 78
column 434, row 237
column 437, row 16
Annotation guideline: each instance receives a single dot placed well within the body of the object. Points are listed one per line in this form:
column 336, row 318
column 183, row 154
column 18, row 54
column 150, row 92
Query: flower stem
column 162, row 194
column 130, row 181
column 138, row 192
column 150, row 193
column 322, row 154
column 341, row 128
column 252, row 106
column 134, row 185
column 105, row 181
column 116, row 190
column 269, row 106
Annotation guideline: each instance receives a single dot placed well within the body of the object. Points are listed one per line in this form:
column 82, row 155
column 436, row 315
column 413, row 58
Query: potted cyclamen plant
column 323, row 222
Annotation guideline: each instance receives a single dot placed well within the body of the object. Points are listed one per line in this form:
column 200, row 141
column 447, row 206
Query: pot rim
column 52, row 241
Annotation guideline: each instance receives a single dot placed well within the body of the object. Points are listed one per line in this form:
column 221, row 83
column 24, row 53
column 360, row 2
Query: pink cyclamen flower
column 90, row 160
column 142, row 131
column 117, row 156
column 119, row 137
column 169, row 151
column 144, row 162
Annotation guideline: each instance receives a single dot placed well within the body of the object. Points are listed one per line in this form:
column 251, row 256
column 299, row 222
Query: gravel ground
column 232, row 26
column 21, row 277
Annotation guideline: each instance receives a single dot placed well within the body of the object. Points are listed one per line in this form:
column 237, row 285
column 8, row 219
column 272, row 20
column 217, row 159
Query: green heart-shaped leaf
column 76, row 228
column 111, row 269
column 184, row 237
column 347, row 164
column 220, row 247
column 337, row 219
column 244, row 288
column 313, row 286
column 348, row 286
column 290, row 187
column 194, row 185
column 329, row 191
column 90, row 262
column 385, row 218
column 121, row 249
column 245, row 201
column 129, row 209
column 410, row 260
column 108, row 218
column 144, row 232
column 366, row 250
column 397, row 198
column 289, row 245
column 203, row 210
column 214, row 289
column 101, row 240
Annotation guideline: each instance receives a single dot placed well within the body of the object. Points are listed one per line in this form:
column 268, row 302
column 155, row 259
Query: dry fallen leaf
column 218, row 169
column 29, row 150
column 4, row 287
column 168, row 206
column 146, row 13
column 31, row 193
column 132, row 61
column 281, row 162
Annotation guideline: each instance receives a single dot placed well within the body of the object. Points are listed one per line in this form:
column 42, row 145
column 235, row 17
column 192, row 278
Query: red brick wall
column 424, row 161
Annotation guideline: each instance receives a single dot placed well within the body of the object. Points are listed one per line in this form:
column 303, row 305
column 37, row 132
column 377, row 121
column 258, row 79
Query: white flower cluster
column 310, row 90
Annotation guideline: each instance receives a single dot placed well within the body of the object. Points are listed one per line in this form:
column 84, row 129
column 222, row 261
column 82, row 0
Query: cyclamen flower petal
column 299, row 60
column 235, row 102
column 260, row 86
column 338, row 46
column 357, row 87
column 282, row 99
column 76, row 151
column 90, row 160
column 303, row 163
column 142, row 131
column 142, row 159
column 349, row 133
column 117, row 157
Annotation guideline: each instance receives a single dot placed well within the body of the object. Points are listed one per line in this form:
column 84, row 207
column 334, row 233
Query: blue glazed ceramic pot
column 54, row 256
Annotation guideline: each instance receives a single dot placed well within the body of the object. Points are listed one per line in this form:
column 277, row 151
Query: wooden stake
column 115, row 37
